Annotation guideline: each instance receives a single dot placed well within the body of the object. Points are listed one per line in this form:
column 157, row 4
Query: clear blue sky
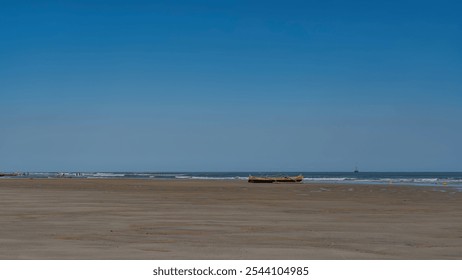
column 230, row 85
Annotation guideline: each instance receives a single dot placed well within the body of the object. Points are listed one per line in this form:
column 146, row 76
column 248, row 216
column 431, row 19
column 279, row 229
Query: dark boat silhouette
column 283, row 179
column 8, row 174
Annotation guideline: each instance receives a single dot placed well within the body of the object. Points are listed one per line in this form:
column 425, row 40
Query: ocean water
column 398, row 178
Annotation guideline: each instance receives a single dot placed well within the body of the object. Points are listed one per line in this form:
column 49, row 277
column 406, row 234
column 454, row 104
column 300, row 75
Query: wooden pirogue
column 284, row 179
column 8, row 174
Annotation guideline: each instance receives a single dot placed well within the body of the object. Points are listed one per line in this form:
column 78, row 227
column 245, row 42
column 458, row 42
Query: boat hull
column 8, row 174
column 287, row 179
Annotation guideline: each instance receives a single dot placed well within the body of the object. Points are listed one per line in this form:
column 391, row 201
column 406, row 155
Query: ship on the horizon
column 283, row 179
column 356, row 170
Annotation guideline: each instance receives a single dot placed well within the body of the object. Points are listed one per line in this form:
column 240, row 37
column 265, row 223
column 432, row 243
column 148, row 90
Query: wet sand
column 156, row 219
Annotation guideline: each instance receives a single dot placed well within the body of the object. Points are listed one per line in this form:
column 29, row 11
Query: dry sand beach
column 192, row 219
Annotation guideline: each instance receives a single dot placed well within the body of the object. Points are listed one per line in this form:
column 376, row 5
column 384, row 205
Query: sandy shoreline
column 192, row 219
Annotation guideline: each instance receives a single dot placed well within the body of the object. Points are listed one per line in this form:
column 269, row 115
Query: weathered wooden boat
column 8, row 174
column 284, row 179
